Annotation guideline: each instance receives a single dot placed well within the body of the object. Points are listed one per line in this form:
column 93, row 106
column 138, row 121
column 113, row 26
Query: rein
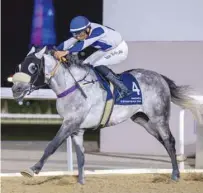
column 71, row 89
column 22, row 76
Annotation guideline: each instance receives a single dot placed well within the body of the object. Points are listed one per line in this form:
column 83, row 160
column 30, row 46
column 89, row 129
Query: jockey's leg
column 110, row 57
column 110, row 75
column 101, row 59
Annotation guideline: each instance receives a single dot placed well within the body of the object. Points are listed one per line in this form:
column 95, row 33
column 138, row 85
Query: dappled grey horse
column 80, row 113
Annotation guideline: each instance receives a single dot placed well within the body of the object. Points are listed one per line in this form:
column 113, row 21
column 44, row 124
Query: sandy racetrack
column 137, row 183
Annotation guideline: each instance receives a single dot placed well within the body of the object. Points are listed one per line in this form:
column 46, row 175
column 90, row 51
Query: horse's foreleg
column 79, row 148
column 64, row 132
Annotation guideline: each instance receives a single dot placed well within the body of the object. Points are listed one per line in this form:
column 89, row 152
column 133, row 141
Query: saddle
column 112, row 93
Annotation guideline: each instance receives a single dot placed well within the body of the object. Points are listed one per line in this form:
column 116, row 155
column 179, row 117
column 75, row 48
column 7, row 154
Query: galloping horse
column 83, row 96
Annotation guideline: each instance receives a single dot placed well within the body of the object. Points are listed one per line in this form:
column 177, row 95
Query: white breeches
column 109, row 57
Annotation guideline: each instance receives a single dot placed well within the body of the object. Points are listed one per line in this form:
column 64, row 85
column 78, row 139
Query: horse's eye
column 32, row 68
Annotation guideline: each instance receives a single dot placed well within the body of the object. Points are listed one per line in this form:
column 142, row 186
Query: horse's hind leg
column 169, row 144
column 160, row 130
column 144, row 121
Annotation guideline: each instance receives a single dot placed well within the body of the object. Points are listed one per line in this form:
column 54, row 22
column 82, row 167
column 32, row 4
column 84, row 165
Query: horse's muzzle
column 19, row 91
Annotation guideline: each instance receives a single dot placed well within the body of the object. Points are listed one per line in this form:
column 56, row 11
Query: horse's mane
column 72, row 59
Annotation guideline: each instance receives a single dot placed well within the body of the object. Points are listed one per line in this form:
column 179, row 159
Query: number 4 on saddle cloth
column 113, row 93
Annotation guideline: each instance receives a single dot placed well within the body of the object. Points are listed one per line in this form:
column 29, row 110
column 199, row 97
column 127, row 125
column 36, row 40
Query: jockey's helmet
column 79, row 24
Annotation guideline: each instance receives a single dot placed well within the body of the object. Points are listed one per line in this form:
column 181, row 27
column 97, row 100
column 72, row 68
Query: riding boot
column 114, row 78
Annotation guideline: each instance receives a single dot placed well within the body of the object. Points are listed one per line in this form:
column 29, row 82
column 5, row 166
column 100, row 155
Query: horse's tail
column 182, row 96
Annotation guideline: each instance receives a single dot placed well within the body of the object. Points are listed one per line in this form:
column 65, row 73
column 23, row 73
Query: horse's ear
column 41, row 52
column 31, row 51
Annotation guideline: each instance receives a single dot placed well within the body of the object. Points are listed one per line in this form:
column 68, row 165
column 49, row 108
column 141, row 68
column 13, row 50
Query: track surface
column 139, row 183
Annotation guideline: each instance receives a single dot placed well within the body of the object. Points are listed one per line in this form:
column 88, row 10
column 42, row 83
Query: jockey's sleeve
column 96, row 34
column 67, row 44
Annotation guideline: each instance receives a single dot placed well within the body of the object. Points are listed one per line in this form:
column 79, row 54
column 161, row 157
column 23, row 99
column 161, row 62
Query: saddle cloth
column 113, row 93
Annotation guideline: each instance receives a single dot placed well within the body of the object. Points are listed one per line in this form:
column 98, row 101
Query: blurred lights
column 10, row 79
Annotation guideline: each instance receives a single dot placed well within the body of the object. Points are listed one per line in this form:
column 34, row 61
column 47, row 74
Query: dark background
column 16, row 37
column 17, row 23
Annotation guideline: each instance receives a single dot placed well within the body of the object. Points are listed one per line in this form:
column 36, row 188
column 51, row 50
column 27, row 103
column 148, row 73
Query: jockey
column 112, row 49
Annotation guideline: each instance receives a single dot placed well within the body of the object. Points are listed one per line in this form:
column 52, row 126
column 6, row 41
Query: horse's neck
column 62, row 80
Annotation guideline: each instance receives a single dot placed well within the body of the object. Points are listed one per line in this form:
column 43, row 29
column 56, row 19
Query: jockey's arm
column 67, row 44
column 96, row 34
column 73, row 45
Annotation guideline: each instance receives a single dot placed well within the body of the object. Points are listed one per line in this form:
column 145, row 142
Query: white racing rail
column 105, row 172
column 48, row 94
column 41, row 94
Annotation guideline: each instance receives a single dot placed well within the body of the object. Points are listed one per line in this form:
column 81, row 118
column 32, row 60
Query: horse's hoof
column 175, row 178
column 28, row 173
column 81, row 181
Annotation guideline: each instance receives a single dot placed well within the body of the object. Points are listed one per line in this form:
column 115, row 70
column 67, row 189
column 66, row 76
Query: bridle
column 40, row 68
column 49, row 76
column 32, row 86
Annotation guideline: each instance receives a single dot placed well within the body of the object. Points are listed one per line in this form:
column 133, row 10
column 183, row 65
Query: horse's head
column 36, row 71
column 30, row 74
